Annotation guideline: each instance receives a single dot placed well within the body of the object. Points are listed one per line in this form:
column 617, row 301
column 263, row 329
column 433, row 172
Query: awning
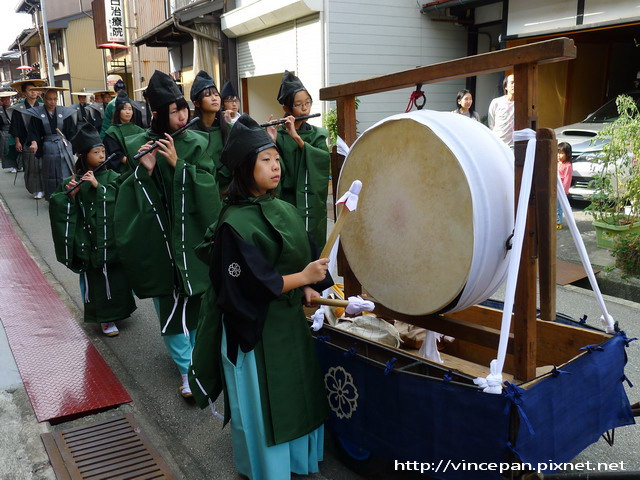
column 440, row 4
column 167, row 34
column 27, row 38
column 163, row 35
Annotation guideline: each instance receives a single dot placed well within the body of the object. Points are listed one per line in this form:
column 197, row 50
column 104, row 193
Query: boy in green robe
column 305, row 159
column 82, row 229
column 253, row 340
column 162, row 212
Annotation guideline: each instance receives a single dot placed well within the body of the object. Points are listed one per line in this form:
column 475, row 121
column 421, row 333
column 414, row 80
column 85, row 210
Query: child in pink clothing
column 565, row 172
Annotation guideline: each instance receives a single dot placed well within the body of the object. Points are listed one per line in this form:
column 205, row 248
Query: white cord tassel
column 175, row 305
column 106, row 281
column 214, row 410
column 185, row 330
column 86, row 288
column 212, row 404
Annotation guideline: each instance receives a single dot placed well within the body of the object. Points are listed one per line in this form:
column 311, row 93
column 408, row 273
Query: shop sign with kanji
column 114, row 13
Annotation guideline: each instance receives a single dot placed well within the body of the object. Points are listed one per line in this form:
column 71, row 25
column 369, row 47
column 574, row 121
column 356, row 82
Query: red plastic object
column 62, row 371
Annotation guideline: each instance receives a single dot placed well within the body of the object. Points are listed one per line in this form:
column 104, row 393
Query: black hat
column 119, row 85
column 203, row 80
column 288, row 88
column 228, row 90
column 86, row 138
column 246, row 138
column 122, row 98
column 162, row 90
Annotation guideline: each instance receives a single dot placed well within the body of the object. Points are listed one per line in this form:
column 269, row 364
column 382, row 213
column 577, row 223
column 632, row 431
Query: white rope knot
column 343, row 148
column 492, row 383
column 318, row 319
column 358, row 305
column 350, row 198
column 608, row 323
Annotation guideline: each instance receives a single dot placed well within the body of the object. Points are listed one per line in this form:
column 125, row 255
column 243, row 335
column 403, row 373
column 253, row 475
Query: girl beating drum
column 253, row 341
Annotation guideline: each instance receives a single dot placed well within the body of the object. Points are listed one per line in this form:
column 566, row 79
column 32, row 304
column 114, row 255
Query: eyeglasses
column 306, row 104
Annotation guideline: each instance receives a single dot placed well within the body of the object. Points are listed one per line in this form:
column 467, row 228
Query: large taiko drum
column 435, row 212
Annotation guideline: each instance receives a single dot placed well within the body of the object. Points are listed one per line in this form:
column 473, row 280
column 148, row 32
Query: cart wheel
column 358, row 459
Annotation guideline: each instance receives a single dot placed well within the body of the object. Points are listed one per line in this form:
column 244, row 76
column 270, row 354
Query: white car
column 585, row 152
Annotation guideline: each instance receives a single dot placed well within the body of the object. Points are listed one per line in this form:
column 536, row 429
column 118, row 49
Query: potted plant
column 616, row 183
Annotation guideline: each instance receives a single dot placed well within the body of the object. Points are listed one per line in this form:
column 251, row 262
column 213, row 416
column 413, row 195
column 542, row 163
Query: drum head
column 410, row 241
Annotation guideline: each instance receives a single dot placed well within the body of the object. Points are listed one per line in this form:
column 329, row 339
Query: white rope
column 175, row 305
column 493, row 382
column 86, row 288
column 66, row 233
column 212, row 404
column 106, row 281
column 582, row 251
column 185, row 330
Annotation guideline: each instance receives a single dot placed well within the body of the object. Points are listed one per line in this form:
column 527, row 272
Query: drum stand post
column 535, row 342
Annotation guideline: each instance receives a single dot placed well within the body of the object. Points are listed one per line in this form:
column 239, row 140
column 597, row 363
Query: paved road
column 191, row 439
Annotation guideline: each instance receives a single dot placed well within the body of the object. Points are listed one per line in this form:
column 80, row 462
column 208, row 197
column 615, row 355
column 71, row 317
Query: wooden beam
column 477, row 334
column 555, row 50
column 348, row 132
column 545, row 174
column 524, row 326
column 558, row 343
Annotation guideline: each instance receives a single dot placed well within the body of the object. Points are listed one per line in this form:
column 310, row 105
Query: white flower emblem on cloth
column 341, row 392
column 234, row 270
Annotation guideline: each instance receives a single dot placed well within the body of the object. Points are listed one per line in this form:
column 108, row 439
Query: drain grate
column 114, row 449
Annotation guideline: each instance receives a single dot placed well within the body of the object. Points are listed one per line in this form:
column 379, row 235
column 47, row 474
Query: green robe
column 82, row 229
column 159, row 219
column 119, row 133
column 291, row 385
column 305, row 178
column 215, row 141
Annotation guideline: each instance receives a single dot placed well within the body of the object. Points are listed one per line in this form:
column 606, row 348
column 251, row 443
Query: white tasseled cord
column 176, row 298
column 493, row 382
column 86, row 288
column 606, row 318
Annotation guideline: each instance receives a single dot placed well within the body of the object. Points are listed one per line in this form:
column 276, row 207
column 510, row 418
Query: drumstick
column 354, row 191
column 331, row 302
column 352, row 305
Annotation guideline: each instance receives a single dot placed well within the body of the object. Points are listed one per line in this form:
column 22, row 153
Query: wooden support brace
column 347, row 131
column 524, row 319
column 544, row 177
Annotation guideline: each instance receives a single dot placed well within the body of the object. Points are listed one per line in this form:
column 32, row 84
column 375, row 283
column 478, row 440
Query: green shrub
column 626, row 251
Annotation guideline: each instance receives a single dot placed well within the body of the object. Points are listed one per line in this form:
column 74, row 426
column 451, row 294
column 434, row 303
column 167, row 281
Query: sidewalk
column 611, row 280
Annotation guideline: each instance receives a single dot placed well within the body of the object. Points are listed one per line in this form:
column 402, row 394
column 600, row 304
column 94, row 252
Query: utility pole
column 47, row 43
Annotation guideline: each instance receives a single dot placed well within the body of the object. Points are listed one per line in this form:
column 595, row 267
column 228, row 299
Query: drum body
column 435, row 212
